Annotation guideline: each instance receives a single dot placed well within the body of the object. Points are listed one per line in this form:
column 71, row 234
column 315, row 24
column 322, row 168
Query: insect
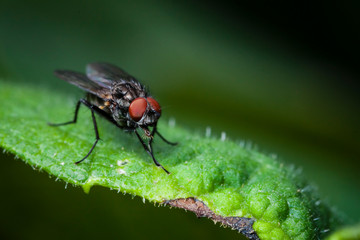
column 118, row 97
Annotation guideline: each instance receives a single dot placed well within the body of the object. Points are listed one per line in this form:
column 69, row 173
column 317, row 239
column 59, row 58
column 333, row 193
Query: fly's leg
column 156, row 131
column 69, row 122
column 97, row 138
column 170, row 143
column 91, row 107
column 148, row 149
column 152, row 137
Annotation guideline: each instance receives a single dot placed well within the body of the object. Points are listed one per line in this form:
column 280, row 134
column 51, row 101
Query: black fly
column 118, row 97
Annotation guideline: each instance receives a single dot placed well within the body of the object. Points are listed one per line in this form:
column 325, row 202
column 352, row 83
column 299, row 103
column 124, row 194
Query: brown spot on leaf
column 242, row 225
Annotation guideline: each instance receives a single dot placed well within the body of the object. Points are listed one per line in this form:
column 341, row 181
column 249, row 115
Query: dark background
column 284, row 76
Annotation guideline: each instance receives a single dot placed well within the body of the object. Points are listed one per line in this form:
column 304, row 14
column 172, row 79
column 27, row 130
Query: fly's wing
column 105, row 74
column 81, row 81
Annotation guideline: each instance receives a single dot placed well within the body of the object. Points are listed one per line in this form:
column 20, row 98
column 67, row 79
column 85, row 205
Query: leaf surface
column 231, row 180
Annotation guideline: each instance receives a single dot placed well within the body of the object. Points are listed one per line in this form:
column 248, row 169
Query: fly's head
column 144, row 112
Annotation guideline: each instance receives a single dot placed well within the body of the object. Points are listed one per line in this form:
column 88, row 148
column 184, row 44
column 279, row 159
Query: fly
column 118, row 97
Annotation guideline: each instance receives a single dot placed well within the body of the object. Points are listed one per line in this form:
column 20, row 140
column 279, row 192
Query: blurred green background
column 282, row 77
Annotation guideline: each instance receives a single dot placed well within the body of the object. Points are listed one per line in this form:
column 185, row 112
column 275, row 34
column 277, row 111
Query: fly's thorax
column 126, row 92
column 119, row 115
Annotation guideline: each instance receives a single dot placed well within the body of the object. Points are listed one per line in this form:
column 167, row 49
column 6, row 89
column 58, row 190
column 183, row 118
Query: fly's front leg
column 148, row 149
column 168, row 142
column 152, row 137
column 156, row 131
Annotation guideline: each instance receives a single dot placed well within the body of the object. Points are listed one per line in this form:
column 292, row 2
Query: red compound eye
column 154, row 104
column 137, row 109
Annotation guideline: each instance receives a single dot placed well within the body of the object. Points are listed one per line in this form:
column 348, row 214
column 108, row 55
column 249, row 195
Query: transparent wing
column 105, row 74
column 80, row 80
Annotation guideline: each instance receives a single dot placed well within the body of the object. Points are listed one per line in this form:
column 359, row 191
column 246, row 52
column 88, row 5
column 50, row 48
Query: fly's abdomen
column 99, row 102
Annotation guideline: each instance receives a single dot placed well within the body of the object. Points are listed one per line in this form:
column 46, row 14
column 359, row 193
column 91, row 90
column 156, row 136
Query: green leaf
column 220, row 176
column 347, row 233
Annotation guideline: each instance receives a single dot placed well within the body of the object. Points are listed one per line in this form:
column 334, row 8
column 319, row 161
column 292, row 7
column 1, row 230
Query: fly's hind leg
column 91, row 107
column 97, row 137
column 69, row 122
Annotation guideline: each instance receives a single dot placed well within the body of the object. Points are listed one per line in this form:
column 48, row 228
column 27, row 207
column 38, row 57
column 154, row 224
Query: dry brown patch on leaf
column 242, row 225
